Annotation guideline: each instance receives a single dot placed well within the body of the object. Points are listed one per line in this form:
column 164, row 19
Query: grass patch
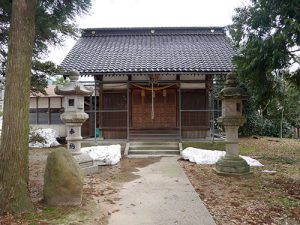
column 279, row 159
column 246, row 150
column 294, row 170
column 217, row 146
column 287, row 203
column 205, row 145
column 47, row 214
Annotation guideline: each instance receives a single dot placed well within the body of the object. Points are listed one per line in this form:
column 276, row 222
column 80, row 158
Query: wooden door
column 164, row 109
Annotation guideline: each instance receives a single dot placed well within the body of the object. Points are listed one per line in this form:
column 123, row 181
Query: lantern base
column 232, row 166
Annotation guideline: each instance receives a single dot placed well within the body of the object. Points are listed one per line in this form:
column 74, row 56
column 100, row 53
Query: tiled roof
column 50, row 93
column 130, row 50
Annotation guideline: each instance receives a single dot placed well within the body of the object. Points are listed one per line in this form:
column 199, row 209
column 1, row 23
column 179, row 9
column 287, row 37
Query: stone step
column 154, row 131
column 151, row 155
column 89, row 170
column 154, row 152
column 153, row 137
column 154, row 134
column 151, row 143
column 153, row 147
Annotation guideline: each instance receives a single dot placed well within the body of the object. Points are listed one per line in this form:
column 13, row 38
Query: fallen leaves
column 259, row 199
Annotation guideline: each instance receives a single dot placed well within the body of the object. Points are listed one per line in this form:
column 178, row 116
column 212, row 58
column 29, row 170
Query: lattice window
column 114, row 101
column 194, row 100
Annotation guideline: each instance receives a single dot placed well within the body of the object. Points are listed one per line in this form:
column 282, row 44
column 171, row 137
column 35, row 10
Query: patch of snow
column 251, row 161
column 49, row 135
column 104, row 155
column 203, row 156
column 269, row 171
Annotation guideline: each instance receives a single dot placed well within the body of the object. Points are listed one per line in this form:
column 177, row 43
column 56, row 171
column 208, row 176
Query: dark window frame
column 45, row 116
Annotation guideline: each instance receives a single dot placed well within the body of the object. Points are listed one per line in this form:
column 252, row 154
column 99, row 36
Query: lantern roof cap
column 73, row 87
column 231, row 90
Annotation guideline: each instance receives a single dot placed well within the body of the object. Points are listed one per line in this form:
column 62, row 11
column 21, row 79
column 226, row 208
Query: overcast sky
column 152, row 13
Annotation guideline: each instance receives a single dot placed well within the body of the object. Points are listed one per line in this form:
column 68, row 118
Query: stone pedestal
column 232, row 163
column 231, row 119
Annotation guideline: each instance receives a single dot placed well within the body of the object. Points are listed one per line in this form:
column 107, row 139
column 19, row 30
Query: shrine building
column 152, row 83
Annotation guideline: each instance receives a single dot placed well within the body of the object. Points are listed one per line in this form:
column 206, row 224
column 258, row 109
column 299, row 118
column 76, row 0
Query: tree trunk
column 14, row 194
column 282, row 110
column 281, row 122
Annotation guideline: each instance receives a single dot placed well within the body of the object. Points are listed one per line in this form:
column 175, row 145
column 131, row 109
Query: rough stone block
column 86, row 163
column 229, row 165
column 63, row 179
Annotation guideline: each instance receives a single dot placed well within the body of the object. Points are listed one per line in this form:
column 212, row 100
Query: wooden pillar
column 91, row 117
column 49, row 110
column 128, row 106
column 37, row 110
column 179, row 106
column 210, row 115
column 100, row 117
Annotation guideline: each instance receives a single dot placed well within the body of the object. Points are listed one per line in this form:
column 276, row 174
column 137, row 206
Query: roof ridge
column 134, row 31
column 141, row 28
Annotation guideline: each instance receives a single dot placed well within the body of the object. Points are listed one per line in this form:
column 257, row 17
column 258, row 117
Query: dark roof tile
column 150, row 49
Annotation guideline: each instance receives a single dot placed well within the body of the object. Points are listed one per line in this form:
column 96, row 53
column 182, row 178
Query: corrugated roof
column 131, row 50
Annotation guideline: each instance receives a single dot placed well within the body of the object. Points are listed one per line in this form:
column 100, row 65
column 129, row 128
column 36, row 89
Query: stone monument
column 232, row 119
column 74, row 114
column 63, row 180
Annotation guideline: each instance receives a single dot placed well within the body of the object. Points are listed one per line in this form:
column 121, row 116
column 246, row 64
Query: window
column 114, row 101
column 238, row 107
column 55, row 116
column 41, row 116
column 45, row 111
column 71, row 102
column 194, row 101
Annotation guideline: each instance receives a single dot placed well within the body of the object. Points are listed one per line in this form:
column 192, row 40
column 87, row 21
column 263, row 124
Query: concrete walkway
column 162, row 195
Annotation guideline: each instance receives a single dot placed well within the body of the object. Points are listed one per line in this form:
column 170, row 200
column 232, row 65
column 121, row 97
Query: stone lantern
column 232, row 119
column 74, row 114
